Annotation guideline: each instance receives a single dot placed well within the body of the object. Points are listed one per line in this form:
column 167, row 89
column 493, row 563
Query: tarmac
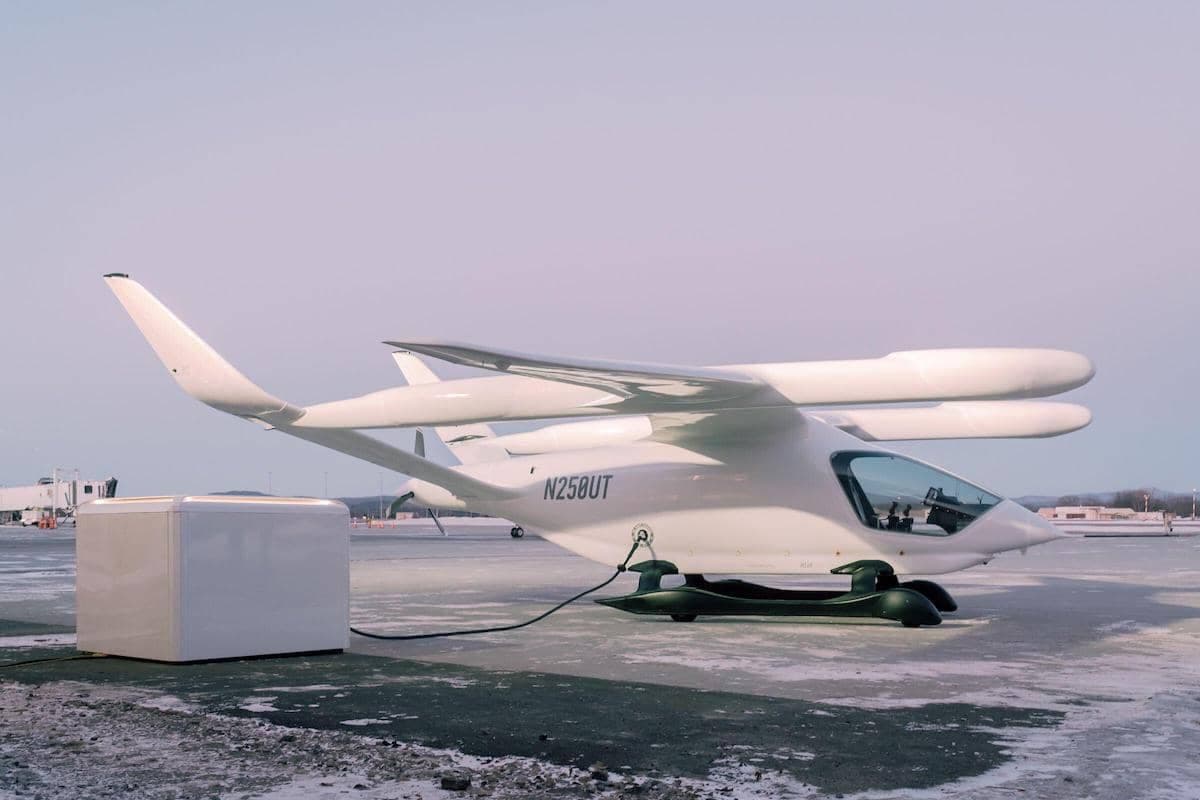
column 1072, row 671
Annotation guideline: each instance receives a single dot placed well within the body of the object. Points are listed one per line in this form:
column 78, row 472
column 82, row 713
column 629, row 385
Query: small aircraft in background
column 740, row 469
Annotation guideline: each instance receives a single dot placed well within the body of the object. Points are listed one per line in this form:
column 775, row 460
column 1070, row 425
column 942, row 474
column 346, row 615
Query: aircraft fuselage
column 773, row 507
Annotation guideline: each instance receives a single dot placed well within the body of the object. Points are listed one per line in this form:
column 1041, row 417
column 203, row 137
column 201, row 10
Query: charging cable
column 30, row 662
column 643, row 538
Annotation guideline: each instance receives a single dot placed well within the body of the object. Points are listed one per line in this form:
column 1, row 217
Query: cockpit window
column 896, row 494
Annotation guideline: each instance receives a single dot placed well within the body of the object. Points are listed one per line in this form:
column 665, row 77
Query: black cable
column 76, row 657
column 444, row 634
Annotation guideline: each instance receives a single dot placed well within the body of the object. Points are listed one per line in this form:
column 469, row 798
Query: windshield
column 892, row 493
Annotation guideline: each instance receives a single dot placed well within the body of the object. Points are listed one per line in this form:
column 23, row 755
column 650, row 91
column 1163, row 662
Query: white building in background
column 1104, row 521
column 1098, row 513
column 26, row 504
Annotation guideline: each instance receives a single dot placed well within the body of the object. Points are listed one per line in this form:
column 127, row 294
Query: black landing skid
column 874, row 592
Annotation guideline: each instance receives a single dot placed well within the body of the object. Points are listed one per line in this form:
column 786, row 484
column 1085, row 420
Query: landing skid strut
column 875, row 591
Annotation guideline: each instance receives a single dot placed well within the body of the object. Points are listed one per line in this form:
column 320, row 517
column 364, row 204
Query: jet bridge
column 26, row 504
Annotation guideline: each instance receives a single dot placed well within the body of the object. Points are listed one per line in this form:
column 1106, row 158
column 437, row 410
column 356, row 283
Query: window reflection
column 892, row 493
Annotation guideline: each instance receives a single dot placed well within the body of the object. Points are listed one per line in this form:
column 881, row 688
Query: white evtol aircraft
column 712, row 469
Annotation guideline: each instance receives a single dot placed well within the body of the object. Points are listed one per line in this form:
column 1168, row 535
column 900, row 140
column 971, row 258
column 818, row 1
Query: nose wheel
column 516, row 532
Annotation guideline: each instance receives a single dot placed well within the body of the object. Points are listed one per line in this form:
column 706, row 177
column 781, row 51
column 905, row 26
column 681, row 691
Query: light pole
column 1193, row 503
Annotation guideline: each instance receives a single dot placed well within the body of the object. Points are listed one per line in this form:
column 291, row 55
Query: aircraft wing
column 205, row 375
column 701, row 408
column 707, row 431
column 625, row 380
column 964, row 420
column 471, row 444
column 972, row 374
column 382, row 454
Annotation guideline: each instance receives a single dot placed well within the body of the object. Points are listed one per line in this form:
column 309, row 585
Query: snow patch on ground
column 71, row 739
column 458, row 606
column 258, row 705
column 36, row 640
column 339, row 786
column 781, row 669
column 1083, row 756
column 169, row 702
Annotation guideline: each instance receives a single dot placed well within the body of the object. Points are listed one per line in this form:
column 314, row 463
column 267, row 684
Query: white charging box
column 212, row 577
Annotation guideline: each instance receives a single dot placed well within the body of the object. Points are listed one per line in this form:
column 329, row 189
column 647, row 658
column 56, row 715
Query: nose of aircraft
column 1010, row 526
column 1039, row 530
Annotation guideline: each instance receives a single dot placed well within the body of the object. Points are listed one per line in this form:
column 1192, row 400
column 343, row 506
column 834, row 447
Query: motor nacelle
column 426, row 494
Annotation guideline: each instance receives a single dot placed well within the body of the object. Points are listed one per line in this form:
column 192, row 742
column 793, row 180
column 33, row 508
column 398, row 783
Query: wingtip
column 1089, row 369
column 193, row 363
column 398, row 348
column 108, row 275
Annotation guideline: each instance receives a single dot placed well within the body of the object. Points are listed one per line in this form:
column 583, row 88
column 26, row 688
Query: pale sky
column 692, row 183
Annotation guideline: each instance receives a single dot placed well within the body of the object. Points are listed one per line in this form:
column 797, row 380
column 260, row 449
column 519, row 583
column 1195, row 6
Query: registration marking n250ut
column 577, row 487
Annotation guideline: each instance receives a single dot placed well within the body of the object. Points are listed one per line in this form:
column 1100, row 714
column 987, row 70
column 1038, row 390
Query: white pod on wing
column 967, row 420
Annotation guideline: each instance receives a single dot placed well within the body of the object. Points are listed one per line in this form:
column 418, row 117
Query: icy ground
column 72, row 740
column 1102, row 637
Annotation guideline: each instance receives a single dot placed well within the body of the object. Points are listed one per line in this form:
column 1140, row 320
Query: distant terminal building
column 1105, row 521
column 50, row 497
column 1099, row 513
